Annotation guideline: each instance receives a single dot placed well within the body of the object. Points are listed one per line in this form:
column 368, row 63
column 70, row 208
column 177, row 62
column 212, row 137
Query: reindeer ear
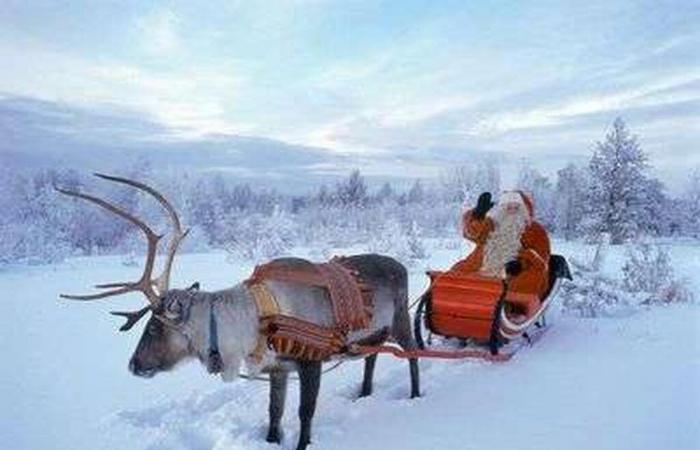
column 194, row 287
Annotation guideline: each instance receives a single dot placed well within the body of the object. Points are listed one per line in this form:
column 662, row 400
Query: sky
column 390, row 86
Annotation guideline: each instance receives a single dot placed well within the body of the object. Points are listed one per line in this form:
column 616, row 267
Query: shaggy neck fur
column 503, row 244
column 237, row 324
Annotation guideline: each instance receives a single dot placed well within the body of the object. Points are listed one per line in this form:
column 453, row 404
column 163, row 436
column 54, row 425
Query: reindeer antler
column 163, row 280
column 150, row 287
column 131, row 317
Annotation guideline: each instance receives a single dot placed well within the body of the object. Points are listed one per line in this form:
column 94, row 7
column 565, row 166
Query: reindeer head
column 163, row 342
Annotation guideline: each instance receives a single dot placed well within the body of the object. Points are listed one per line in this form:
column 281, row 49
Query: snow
column 611, row 383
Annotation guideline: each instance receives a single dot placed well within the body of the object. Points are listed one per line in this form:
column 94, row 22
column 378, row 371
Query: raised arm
column 475, row 225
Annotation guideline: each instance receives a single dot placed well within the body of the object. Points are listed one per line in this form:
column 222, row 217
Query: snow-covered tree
column 352, row 191
column 385, row 193
column 323, row 197
column 416, row 194
column 539, row 187
column 39, row 224
column 688, row 207
column 617, row 191
column 463, row 184
column 401, row 243
column 656, row 217
column 258, row 237
column 570, row 201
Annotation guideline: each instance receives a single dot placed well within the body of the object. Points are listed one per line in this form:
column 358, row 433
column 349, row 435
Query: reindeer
column 221, row 329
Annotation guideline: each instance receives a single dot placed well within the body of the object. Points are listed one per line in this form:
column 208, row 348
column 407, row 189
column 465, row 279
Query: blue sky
column 390, row 82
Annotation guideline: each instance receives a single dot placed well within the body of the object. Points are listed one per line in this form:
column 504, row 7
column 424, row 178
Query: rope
column 405, row 354
column 264, row 378
column 430, row 353
column 415, row 302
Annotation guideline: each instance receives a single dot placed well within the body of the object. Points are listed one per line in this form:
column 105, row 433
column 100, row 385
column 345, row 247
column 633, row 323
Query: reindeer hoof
column 303, row 444
column 274, row 437
column 365, row 393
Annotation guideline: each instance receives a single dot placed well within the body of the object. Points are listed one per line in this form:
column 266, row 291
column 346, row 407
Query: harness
column 267, row 306
column 293, row 337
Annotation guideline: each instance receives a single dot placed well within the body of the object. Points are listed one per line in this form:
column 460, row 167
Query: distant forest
column 614, row 193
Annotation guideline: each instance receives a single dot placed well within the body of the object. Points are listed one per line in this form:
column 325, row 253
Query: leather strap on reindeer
column 350, row 297
column 267, row 307
column 296, row 338
column 301, row 339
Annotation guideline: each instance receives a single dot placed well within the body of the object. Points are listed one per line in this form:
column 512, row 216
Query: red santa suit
column 508, row 233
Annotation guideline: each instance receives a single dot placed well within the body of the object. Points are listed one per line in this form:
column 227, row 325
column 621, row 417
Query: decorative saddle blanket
column 296, row 338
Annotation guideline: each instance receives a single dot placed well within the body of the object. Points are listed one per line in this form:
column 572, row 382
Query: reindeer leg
column 309, row 383
column 278, row 393
column 370, row 362
column 403, row 335
column 415, row 377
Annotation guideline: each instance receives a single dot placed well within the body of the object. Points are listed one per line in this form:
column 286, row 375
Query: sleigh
column 487, row 318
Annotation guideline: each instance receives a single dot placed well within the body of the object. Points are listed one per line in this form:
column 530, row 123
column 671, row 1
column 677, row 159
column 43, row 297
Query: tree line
column 614, row 193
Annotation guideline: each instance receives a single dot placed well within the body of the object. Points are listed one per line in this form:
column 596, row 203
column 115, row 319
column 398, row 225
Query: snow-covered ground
column 623, row 383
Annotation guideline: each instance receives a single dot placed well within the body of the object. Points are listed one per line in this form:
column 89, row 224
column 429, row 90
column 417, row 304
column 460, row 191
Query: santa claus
column 509, row 242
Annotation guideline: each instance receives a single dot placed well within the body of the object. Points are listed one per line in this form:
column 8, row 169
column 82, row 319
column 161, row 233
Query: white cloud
column 376, row 96
column 192, row 101
column 674, row 42
column 654, row 93
column 158, row 32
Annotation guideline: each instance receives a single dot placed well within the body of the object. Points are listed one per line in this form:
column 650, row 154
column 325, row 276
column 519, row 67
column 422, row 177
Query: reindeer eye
column 159, row 309
column 173, row 309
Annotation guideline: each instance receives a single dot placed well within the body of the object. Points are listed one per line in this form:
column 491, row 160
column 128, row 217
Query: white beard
column 503, row 244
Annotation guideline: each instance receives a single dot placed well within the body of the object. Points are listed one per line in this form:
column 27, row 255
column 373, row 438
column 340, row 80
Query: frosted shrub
column 647, row 269
column 647, row 278
column 415, row 243
column 390, row 239
column 404, row 245
column 259, row 237
column 592, row 293
column 30, row 244
column 677, row 291
column 196, row 241
column 648, row 274
column 130, row 259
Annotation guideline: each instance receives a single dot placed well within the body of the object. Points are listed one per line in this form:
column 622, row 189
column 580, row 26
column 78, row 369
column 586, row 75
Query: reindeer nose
column 140, row 370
